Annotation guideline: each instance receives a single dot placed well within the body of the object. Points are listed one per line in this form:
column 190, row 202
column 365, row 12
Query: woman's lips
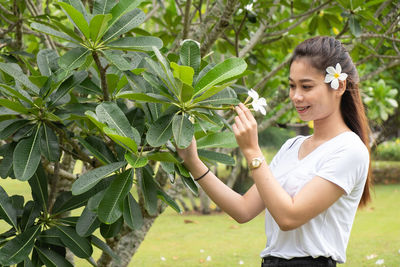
column 302, row 109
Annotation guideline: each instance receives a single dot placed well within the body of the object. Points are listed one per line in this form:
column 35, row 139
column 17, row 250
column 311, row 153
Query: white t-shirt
column 343, row 160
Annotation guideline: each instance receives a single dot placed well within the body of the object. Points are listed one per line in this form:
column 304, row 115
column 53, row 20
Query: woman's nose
column 297, row 97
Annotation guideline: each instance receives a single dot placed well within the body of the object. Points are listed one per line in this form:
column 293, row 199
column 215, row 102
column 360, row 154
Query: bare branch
column 262, row 83
column 186, row 19
column 267, row 123
column 104, row 87
column 379, row 70
column 152, row 12
column 5, row 10
column 223, row 23
column 62, row 173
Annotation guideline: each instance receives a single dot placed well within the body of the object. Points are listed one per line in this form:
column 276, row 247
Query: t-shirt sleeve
column 346, row 167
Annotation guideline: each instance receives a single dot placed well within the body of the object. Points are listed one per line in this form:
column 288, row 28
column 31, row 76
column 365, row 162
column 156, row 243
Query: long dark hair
column 322, row 52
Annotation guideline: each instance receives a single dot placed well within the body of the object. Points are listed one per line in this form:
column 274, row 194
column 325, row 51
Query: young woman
column 313, row 186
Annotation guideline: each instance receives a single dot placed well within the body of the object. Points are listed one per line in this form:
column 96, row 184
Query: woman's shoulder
column 350, row 143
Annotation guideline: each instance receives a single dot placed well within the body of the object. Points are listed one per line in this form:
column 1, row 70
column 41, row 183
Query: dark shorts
column 271, row 261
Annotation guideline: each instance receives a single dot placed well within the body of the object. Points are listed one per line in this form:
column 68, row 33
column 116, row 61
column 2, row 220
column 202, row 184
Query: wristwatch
column 256, row 162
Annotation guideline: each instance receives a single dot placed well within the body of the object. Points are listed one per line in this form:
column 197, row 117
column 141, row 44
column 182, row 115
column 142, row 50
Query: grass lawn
column 188, row 240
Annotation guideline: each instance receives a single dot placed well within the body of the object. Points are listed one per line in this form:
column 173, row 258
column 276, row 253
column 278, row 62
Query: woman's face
column 311, row 96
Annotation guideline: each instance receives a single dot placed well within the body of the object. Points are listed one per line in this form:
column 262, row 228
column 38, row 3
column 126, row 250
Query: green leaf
column 139, row 43
column 74, row 58
column 136, row 162
column 16, row 93
column 145, row 97
column 49, row 144
column 67, row 85
column 19, row 76
column 162, row 156
column 111, row 206
column 132, row 213
column 30, row 214
column 105, row 248
column 78, row 5
column 117, row 60
column 190, row 55
column 217, row 140
column 14, row 105
column 186, row 92
column 17, row 249
column 124, row 141
column 80, row 246
column 111, row 230
column 103, row 6
column 221, row 72
column 218, row 96
column 183, row 73
column 38, row 184
column 51, row 258
column 91, row 178
column 167, row 71
column 98, row 149
column 77, row 18
column 112, row 115
column 9, row 127
column 190, row 184
column 45, row 60
column 216, row 156
column 98, row 26
column 93, row 118
column 168, row 200
column 7, row 151
column 183, row 130
column 160, row 131
column 355, row 27
column 126, row 23
column 149, row 189
column 87, row 223
column 123, row 6
column 26, row 156
column 52, row 32
column 7, row 211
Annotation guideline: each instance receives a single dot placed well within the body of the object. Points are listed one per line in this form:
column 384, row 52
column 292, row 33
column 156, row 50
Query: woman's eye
column 307, row 86
column 291, row 86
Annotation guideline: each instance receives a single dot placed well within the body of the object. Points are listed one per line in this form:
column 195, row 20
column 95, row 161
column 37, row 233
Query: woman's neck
column 329, row 127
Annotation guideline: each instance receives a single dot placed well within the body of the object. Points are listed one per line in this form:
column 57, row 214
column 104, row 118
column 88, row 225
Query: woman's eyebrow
column 302, row 80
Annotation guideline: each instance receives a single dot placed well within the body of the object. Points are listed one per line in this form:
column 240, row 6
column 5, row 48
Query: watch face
column 256, row 163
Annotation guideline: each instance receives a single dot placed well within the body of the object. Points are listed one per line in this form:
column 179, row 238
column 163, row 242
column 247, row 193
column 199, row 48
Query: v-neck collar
column 318, row 147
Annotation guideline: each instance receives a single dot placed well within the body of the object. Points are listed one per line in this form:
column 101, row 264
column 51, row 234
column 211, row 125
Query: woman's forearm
column 228, row 200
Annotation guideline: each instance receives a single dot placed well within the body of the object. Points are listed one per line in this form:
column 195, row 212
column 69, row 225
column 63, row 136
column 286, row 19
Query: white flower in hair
column 334, row 75
column 259, row 103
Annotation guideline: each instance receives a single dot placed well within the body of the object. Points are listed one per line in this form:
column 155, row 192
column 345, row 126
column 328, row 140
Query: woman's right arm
column 241, row 208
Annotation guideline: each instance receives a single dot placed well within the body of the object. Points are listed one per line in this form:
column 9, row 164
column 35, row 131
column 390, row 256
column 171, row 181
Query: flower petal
column 329, row 78
column 262, row 110
column 335, row 84
column 330, row 70
column 338, row 68
column 255, row 105
column 262, row 101
column 253, row 94
column 343, row 76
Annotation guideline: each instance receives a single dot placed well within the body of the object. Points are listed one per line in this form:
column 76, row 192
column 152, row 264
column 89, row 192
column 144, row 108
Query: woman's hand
column 245, row 130
column 189, row 154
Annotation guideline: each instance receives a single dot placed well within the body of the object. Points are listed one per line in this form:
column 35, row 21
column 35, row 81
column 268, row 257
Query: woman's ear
column 342, row 88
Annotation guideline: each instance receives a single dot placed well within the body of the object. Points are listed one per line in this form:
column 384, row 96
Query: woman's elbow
column 288, row 225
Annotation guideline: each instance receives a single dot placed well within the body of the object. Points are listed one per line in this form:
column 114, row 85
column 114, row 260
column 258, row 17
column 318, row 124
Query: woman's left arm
column 289, row 212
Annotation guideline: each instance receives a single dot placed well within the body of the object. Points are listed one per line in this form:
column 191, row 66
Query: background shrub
column 388, row 150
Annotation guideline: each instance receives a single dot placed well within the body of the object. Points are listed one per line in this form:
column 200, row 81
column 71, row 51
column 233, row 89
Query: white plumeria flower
column 208, row 258
column 334, row 75
column 380, row 262
column 241, row 262
column 163, row 258
column 259, row 103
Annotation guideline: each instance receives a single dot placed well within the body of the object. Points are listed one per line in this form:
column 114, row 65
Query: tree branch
column 262, row 83
column 267, row 123
column 186, row 21
column 5, row 10
column 62, row 173
column 379, row 70
column 104, row 87
column 223, row 23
